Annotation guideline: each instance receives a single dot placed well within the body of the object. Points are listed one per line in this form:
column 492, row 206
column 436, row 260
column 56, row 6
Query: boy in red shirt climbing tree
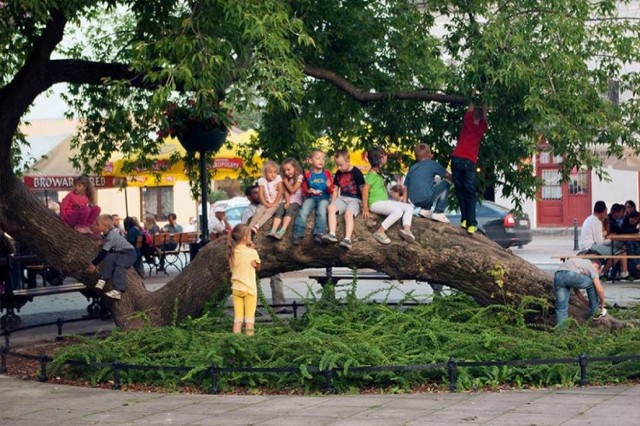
column 463, row 163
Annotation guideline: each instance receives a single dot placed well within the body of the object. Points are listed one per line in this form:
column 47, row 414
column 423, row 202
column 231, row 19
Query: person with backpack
column 132, row 232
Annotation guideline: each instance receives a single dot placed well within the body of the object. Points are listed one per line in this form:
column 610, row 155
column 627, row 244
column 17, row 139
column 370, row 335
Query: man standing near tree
column 463, row 163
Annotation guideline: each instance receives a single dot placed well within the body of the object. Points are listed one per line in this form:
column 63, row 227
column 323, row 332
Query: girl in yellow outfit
column 243, row 262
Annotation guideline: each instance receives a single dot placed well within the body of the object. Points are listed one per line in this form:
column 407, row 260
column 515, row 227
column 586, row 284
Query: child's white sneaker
column 440, row 217
column 100, row 284
column 425, row 213
column 114, row 294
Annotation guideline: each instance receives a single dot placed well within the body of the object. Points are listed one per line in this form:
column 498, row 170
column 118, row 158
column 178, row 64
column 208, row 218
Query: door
column 550, row 196
column 578, row 192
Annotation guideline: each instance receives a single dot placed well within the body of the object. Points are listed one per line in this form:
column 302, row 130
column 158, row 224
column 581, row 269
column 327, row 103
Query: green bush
column 359, row 333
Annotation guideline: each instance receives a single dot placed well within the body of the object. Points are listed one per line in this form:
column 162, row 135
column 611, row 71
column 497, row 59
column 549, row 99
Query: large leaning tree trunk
column 442, row 254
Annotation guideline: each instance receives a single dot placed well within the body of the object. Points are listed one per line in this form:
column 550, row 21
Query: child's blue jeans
column 320, row 226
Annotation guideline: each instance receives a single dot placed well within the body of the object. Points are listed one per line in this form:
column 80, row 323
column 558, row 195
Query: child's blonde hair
column 342, row 153
column 270, row 165
column 235, row 237
column 316, row 151
column 422, row 151
column 297, row 169
column 89, row 190
column 105, row 218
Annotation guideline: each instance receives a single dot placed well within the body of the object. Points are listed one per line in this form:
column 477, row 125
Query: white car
column 233, row 208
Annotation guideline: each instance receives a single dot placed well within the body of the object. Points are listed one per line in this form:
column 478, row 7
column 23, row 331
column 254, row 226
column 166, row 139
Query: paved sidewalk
column 32, row 403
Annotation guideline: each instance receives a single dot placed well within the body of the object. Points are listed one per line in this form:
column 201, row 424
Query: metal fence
column 214, row 372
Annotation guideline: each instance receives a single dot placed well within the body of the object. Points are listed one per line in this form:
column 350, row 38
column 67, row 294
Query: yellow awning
column 227, row 163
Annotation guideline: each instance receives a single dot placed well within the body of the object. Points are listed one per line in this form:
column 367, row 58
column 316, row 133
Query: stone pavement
column 32, row 403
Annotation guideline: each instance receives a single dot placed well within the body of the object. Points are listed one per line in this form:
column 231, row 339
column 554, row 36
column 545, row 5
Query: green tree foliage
column 361, row 72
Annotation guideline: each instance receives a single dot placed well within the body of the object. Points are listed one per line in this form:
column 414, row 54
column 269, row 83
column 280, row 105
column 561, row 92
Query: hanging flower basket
column 201, row 127
column 201, row 138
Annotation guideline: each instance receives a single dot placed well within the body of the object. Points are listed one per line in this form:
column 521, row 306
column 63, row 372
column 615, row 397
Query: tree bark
column 442, row 253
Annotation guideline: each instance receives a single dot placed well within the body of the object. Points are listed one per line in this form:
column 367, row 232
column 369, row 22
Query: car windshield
column 486, row 209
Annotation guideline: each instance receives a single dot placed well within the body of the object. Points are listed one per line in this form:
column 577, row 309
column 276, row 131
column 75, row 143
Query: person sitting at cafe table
column 150, row 225
column 630, row 226
column 615, row 218
column 629, row 206
column 592, row 238
column 171, row 228
column 219, row 224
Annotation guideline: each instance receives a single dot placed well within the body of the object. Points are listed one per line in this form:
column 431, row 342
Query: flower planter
column 199, row 138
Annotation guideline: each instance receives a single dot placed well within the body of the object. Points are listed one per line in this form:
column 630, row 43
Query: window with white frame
column 158, row 201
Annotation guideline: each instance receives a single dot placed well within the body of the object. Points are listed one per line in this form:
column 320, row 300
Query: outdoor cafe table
column 624, row 238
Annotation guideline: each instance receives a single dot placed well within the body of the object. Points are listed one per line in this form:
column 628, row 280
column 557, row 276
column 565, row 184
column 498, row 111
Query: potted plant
column 201, row 127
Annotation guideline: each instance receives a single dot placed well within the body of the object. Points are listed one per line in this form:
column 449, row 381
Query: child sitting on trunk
column 118, row 255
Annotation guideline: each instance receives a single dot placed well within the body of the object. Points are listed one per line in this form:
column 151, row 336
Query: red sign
column 227, row 163
column 66, row 182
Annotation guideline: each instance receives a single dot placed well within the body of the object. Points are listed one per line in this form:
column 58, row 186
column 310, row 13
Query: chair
column 168, row 246
column 149, row 254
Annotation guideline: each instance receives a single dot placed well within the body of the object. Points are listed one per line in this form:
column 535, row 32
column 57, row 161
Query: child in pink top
column 292, row 180
column 78, row 208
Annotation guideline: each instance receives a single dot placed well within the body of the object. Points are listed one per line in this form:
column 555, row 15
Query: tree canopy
column 362, row 72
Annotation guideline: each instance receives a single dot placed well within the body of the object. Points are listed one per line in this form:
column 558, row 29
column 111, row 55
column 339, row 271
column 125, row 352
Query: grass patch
column 359, row 333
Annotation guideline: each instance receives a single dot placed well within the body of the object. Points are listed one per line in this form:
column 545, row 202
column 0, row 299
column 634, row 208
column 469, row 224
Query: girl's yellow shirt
column 243, row 275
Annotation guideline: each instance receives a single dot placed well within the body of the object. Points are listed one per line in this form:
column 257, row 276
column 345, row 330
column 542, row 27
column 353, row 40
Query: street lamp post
column 204, row 228
column 201, row 139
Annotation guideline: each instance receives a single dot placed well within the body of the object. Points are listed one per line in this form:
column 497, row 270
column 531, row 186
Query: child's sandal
column 407, row 236
column 381, row 238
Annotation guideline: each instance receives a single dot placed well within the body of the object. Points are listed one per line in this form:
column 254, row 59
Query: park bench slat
column 44, row 291
column 593, row 256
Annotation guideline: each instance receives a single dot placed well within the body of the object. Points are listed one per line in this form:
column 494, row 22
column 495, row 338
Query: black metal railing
column 214, row 371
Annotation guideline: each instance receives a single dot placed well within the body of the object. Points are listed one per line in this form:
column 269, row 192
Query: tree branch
column 364, row 97
column 28, row 83
column 89, row 72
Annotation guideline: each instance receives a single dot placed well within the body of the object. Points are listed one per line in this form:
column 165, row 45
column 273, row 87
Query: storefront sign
column 227, row 163
column 66, row 182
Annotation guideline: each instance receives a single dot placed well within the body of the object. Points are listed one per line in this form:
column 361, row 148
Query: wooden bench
column 13, row 300
column 595, row 256
column 173, row 257
column 323, row 279
column 45, row 291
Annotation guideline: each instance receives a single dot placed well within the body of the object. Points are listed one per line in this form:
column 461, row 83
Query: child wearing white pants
column 394, row 210
column 375, row 199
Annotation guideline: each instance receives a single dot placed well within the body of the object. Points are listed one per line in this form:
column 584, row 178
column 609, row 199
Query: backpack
column 148, row 238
